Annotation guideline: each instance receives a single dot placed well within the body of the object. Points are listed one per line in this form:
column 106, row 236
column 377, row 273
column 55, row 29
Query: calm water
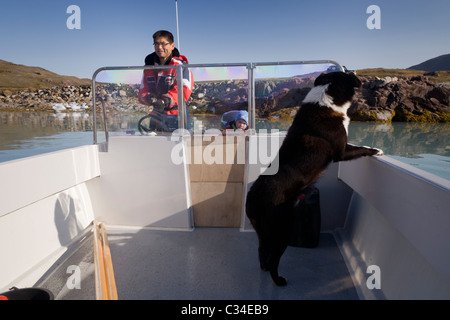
column 425, row 146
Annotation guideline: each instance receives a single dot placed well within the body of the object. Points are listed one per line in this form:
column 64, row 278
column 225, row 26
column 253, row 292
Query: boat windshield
column 152, row 100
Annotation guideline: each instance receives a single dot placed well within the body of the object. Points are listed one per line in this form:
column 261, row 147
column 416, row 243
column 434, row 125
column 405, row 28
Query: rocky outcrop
column 271, row 96
column 412, row 99
column 408, row 99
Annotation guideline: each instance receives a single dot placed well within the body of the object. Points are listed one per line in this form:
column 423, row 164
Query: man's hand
column 158, row 103
column 150, row 99
column 161, row 103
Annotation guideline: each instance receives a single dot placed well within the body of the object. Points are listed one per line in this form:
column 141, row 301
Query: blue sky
column 119, row 33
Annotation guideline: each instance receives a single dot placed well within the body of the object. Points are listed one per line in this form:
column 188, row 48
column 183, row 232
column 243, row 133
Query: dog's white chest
column 319, row 95
column 346, row 122
column 342, row 110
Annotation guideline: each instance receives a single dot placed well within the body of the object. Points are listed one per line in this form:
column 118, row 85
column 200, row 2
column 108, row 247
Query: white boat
column 121, row 219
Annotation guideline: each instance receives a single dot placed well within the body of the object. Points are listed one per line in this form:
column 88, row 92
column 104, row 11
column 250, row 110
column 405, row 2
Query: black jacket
column 152, row 57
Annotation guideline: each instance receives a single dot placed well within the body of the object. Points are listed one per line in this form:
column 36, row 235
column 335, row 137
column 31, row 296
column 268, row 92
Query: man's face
column 163, row 47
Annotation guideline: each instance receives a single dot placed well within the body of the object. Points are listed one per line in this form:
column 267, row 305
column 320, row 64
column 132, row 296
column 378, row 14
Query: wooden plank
column 105, row 284
column 216, row 204
column 228, row 166
column 216, row 188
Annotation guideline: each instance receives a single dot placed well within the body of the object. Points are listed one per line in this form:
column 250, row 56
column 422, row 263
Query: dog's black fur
column 317, row 136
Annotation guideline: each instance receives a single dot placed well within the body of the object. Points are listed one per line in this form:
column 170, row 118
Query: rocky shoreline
column 414, row 99
column 408, row 99
column 44, row 99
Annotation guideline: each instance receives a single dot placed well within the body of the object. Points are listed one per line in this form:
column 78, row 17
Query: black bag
column 306, row 224
column 170, row 122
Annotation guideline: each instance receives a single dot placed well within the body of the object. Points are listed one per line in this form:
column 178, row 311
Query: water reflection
column 24, row 134
column 18, row 127
column 396, row 138
column 403, row 139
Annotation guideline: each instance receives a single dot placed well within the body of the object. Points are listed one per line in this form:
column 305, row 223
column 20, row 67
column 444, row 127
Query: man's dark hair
column 163, row 33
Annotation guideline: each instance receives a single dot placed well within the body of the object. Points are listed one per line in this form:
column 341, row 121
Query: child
column 240, row 121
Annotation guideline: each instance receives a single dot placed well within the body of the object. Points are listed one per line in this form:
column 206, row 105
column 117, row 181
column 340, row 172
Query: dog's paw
column 376, row 151
column 379, row 152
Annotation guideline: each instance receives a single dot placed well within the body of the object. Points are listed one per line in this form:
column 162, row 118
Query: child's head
column 241, row 120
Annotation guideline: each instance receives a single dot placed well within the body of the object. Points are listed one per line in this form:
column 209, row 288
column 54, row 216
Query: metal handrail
column 182, row 121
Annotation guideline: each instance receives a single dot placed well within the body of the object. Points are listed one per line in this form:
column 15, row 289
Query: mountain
column 17, row 76
column 441, row 63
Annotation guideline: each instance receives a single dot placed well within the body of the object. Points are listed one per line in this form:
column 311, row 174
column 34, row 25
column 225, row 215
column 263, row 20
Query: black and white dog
column 317, row 136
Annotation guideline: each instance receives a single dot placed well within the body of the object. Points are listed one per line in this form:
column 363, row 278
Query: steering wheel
column 151, row 122
column 144, row 124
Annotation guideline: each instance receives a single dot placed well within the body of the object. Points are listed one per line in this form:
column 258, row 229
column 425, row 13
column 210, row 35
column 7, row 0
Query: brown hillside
column 18, row 77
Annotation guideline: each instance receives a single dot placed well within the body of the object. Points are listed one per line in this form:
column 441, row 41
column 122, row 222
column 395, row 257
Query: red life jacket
column 163, row 83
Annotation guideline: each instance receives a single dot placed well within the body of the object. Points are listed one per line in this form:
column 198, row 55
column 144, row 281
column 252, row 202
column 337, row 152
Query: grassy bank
column 442, row 76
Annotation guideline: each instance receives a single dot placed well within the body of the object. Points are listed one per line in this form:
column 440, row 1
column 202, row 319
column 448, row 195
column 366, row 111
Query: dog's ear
column 322, row 80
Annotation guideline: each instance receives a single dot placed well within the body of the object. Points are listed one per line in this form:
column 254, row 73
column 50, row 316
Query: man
column 159, row 86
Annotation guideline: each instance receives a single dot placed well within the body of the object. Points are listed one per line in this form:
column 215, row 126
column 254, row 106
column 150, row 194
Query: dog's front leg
column 353, row 152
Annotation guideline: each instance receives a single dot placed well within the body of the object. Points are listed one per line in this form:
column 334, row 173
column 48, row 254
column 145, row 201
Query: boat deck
column 205, row 264
column 61, row 278
column 221, row 263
